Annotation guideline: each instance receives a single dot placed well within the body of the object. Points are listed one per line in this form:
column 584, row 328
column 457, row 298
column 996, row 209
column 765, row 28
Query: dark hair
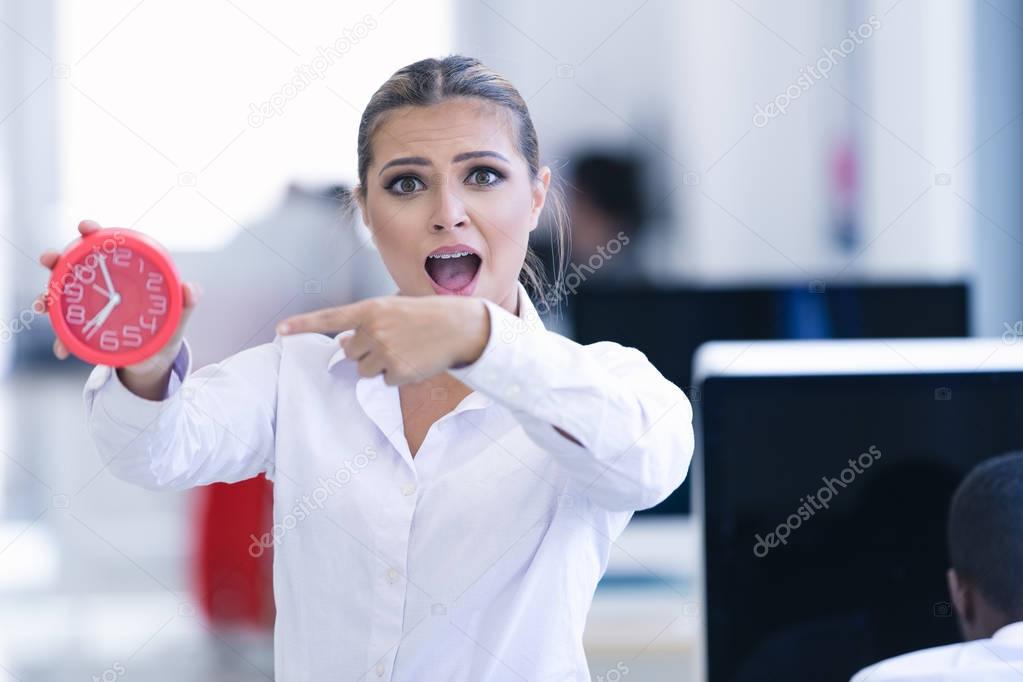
column 611, row 181
column 985, row 531
column 431, row 81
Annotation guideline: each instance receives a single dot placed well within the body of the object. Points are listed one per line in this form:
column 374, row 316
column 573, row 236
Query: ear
column 540, row 187
column 364, row 216
column 361, row 203
column 962, row 596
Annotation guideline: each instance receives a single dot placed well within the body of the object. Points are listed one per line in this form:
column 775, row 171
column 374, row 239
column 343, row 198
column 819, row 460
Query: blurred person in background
column 606, row 212
column 985, row 545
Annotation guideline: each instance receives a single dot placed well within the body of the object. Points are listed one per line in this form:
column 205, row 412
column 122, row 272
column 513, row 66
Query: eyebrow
column 423, row 161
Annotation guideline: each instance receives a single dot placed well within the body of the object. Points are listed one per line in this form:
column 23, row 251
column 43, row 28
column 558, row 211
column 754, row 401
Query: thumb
column 190, row 299
column 163, row 358
column 190, row 293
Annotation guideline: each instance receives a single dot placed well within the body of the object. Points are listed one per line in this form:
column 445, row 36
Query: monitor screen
column 668, row 325
column 824, row 502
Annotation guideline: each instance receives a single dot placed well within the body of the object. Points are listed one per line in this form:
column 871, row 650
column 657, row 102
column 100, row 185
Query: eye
column 405, row 184
column 485, row 176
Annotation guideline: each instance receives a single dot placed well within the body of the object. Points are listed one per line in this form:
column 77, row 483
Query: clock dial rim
column 156, row 255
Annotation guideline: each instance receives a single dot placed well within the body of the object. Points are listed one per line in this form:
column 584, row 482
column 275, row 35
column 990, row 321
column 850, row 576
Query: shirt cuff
column 129, row 409
column 513, row 340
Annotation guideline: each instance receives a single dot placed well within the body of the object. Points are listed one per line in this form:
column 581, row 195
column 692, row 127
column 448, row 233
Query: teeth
column 458, row 254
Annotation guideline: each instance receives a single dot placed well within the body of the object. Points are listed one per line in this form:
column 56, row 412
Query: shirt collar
column 1013, row 632
column 527, row 311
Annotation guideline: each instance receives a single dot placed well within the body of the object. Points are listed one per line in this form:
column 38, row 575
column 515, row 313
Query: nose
column 449, row 212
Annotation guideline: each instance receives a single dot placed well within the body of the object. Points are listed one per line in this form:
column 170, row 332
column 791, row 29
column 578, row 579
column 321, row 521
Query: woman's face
column 450, row 175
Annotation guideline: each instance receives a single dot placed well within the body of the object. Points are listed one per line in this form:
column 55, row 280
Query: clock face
column 117, row 298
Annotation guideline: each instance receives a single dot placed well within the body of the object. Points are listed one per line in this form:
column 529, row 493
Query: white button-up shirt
column 998, row 659
column 478, row 559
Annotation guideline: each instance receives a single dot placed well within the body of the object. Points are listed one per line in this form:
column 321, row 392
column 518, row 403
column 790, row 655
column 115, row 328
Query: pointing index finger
column 339, row 319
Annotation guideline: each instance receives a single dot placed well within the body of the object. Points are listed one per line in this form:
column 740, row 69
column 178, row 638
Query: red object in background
column 845, row 195
column 233, row 562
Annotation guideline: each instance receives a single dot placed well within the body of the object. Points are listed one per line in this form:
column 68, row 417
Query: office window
column 184, row 119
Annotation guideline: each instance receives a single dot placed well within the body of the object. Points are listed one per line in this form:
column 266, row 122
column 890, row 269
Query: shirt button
column 407, row 489
column 392, row 576
column 380, row 669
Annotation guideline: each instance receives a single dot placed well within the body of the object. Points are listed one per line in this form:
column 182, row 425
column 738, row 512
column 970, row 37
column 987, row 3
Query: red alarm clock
column 115, row 297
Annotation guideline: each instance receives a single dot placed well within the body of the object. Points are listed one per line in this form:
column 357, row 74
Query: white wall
column 754, row 207
column 904, row 95
column 998, row 164
column 163, row 115
column 923, row 95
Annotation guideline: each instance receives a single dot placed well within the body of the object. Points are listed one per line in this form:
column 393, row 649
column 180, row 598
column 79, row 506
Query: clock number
column 84, row 274
column 157, row 304
column 154, row 281
column 121, row 257
column 108, row 340
column 151, row 326
column 132, row 336
column 74, row 291
column 76, row 314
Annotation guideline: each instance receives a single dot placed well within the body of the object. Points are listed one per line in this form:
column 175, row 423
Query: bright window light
column 184, row 119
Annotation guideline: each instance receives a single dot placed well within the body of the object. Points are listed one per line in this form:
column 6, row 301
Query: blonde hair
column 430, row 81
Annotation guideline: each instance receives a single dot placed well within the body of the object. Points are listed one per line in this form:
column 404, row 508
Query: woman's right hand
column 155, row 368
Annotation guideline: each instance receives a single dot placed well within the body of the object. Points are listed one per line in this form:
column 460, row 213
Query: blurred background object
column 605, row 203
column 826, row 552
column 743, row 170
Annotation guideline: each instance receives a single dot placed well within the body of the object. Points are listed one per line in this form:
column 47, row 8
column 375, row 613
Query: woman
column 449, row 476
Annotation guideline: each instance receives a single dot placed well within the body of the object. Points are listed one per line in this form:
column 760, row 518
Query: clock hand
column 101, row 317
column 106, row 275
column 101, row 290
column 98, row 319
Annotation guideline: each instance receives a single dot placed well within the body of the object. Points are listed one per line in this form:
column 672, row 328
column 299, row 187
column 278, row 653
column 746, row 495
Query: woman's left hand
column 408, row 338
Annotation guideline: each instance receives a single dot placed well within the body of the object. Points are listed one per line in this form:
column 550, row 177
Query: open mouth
column 453, row 271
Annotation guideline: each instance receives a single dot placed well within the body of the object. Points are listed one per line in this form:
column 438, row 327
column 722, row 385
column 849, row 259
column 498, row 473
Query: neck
column 510, row 302
column 987, row 622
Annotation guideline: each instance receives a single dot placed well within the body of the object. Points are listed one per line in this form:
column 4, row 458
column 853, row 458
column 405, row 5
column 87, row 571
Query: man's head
column 985, row 543
column 606, row 199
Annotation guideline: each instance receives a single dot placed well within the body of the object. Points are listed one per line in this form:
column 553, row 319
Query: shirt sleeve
column 634, row 426
column 865, row 674
column 216, row 424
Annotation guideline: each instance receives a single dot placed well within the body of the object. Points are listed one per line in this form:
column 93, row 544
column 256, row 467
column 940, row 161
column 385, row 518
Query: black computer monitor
column 669, row 324
column 815, row 589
